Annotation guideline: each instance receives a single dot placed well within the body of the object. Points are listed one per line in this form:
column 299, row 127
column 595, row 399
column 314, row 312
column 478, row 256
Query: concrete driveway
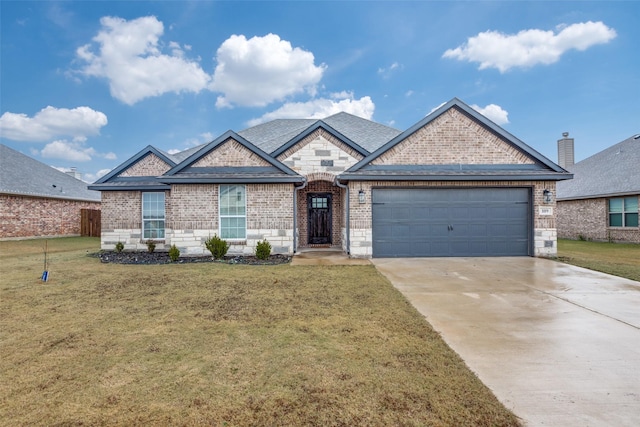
column 558, row 345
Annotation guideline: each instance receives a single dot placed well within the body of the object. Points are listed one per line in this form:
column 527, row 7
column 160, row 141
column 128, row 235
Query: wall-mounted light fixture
column 547, row 196
column 361, row 196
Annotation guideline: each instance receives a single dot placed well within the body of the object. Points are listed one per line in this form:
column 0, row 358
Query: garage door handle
column 450, row 227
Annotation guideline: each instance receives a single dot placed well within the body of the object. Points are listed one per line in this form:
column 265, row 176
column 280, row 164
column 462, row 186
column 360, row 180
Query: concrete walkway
column 326, row 257
column 558, row 345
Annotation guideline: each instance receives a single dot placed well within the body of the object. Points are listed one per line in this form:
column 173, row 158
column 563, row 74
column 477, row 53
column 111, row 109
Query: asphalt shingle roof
column 367, row 134
column 613, row 171
column 22, row 175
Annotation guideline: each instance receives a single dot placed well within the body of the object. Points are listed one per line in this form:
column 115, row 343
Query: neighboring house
column 454, row 184
column 37, row 200
column 601, row 201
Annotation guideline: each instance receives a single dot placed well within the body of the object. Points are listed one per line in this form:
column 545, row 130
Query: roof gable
column 236, row 148
column 611, row 172
column 320, row 125
column 477, row 140
column 144, row 160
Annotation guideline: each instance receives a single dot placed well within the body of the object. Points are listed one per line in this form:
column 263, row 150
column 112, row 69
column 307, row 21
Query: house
column 37, row 200
column 454, row 184
column 601, row 201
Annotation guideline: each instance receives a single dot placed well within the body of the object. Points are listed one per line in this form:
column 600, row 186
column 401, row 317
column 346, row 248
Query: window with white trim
column 623, row 212
column 153, row 215
column 233, row 212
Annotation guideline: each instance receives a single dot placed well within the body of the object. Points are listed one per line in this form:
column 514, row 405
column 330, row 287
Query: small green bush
column 119, row 247
column 151, row 246
column 263, row 249
column 217, row 246
column 174, row 253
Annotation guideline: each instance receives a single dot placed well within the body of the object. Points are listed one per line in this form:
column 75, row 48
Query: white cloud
column 319, row 109
column 261, row 70
column 493, row 49
column 130, row 58
column 90, row 177
column 436, row 107
column 67, row 151
column 51, row 122
column 73, row 151
column 493, row 112
column 203, row 138
column 386, row 72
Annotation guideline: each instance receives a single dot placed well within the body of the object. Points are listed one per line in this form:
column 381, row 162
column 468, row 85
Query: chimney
column 565, row 151
column 74, row 173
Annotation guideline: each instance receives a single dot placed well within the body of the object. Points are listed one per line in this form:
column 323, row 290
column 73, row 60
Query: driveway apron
column 558, row 345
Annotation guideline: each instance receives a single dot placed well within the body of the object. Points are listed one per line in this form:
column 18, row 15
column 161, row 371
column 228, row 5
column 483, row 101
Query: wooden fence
column 90, row 222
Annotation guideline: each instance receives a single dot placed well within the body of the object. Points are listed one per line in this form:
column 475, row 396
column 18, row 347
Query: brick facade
column 22, row 216
column 231, row 154
column 452, row 139
column 588, row 219
column 191, row 217
column 149, row 165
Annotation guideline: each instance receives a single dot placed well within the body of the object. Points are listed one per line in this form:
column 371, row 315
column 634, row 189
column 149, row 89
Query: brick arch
column 321, row 176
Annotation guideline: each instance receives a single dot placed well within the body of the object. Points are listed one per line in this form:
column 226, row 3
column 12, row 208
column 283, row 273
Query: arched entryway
column 320, row 213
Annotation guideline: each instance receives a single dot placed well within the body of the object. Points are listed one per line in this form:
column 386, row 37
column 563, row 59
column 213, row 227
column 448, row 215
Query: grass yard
column 618, row 259
column 220, row 345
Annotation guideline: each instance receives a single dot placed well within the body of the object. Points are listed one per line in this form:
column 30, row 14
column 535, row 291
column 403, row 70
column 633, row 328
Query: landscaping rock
column 163, row 258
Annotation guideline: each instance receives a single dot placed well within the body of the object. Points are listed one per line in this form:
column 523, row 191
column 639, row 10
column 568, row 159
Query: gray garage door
column 451, row 222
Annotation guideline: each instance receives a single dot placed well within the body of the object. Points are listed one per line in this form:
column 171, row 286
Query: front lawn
column 619, row 259
column 218, row 344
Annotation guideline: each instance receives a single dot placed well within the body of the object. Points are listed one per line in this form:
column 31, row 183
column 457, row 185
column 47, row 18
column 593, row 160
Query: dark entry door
column 319, row 208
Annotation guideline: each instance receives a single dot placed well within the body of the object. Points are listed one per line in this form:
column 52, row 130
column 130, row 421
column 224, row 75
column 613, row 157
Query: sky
column 88, row 84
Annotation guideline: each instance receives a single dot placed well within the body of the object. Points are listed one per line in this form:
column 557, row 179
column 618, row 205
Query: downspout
column 295, row 214
column 348, row 215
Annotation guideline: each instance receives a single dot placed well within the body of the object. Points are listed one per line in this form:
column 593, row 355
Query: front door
column 319, row 208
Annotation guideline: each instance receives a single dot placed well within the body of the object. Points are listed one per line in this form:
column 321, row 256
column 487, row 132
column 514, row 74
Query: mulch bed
column 163, row 258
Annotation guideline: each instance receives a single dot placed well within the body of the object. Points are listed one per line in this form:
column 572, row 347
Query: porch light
column 361, row 197
column 547, row 196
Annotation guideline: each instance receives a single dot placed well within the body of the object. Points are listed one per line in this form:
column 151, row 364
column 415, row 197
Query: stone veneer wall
column 588, row 219
column 22, row 217
column 320, row 152
column 544, row 238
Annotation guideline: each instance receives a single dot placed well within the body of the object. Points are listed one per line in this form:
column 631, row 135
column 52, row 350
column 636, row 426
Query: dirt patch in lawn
column 220, row 344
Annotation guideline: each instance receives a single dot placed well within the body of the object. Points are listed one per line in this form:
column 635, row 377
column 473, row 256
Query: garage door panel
column 451, row 222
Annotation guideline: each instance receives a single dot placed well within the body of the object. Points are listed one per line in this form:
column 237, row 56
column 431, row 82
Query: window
column 233, row 212
column 623, row 212
column 153, row 215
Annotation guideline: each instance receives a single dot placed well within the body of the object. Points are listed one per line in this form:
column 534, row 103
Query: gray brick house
column 454, row 184
column 602, row 201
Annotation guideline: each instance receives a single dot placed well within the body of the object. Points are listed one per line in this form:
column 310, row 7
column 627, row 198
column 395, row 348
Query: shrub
column 217, row 246
column 174, row 253
column 119, row 247
column 263, row 249
column 151, row 246
column 581, row 238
